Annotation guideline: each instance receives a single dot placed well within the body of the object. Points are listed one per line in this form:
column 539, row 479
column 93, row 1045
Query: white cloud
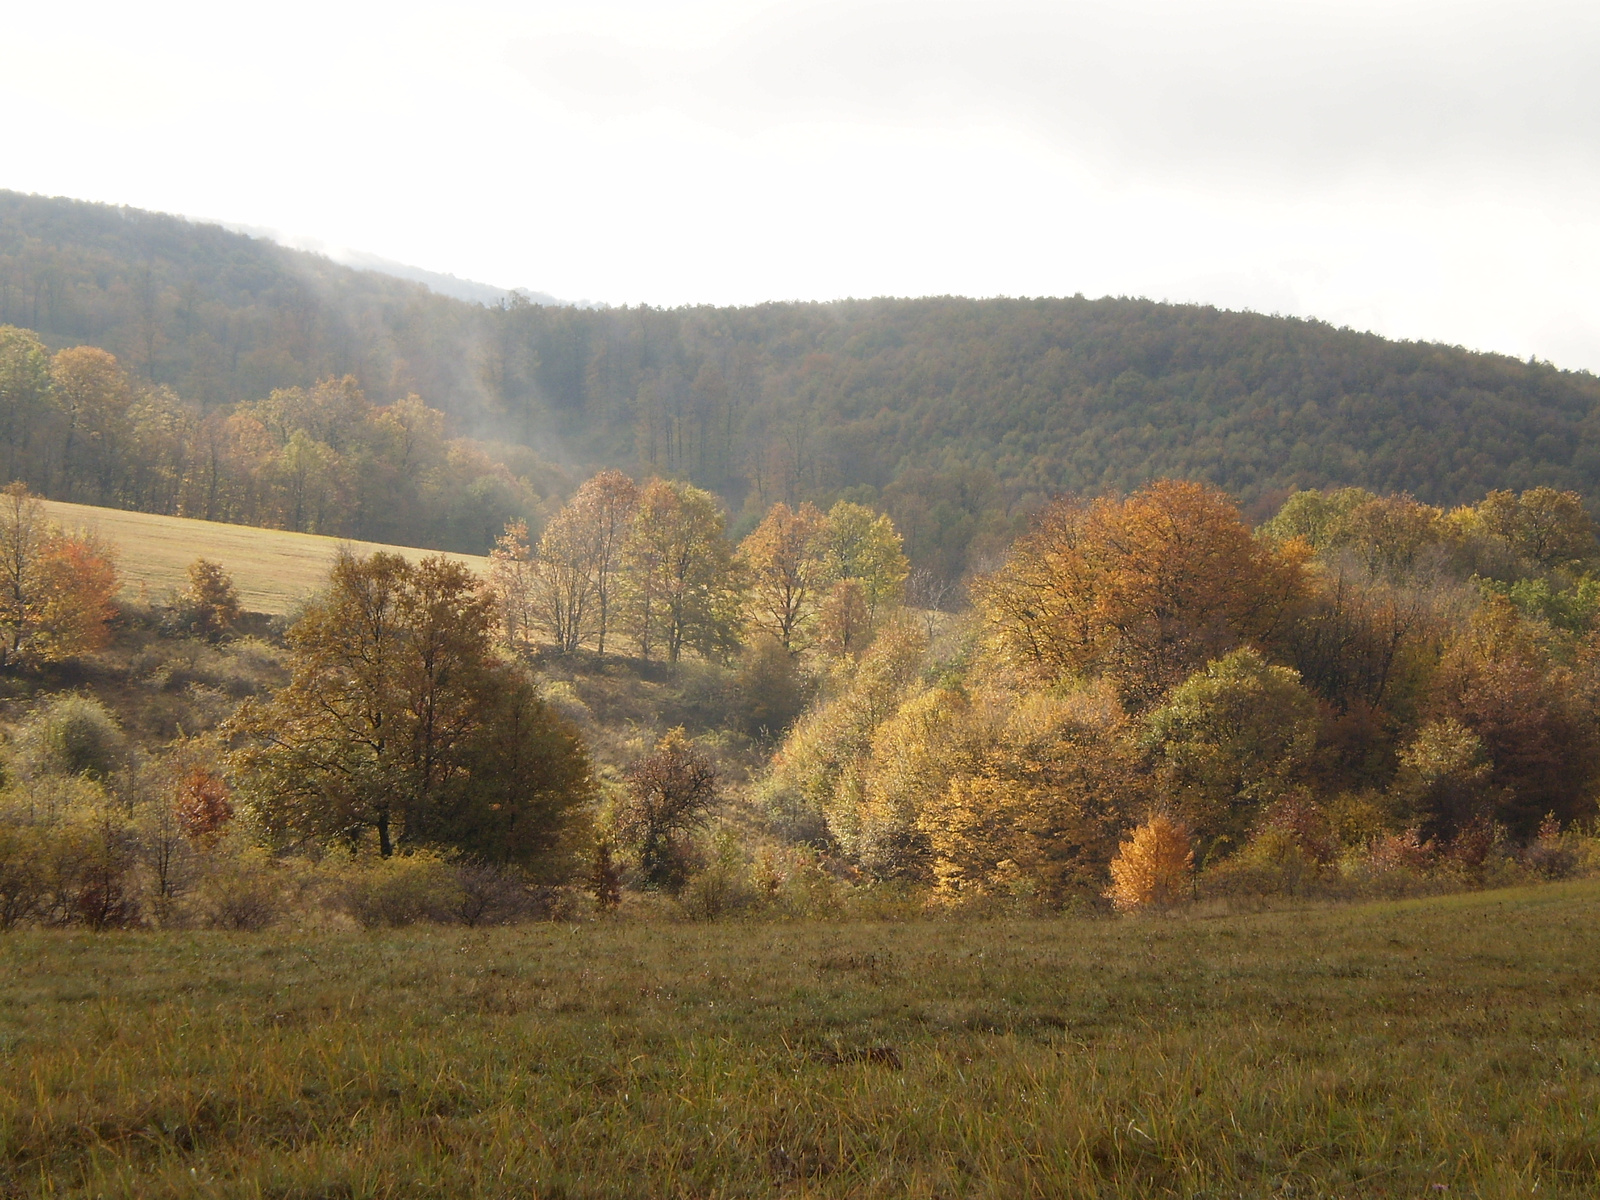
column 1424, row 169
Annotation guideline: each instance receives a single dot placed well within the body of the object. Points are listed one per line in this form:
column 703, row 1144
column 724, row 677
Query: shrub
column 73, row 735
column 1274, row 863
column 202, row 804
column 489, row 893
column 1154, row 867
column 402, row 890
column 90, row 857
column 670, row 794
column 723, row 888
column 23, row 883
column 242, row 891
column 1551, row 853
column 209, row 606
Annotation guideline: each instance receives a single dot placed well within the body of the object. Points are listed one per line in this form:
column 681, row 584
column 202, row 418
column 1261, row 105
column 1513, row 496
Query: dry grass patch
column 273, row 569
column 1443, row 1047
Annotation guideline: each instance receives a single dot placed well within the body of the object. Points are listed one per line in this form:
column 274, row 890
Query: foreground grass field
column 1446, row 1047
column 273, row 569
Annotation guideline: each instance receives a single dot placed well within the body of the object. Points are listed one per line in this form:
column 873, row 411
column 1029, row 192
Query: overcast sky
column 1419, row 168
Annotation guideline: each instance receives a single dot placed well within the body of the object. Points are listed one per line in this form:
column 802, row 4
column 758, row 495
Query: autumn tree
column 671, row 792
column 680, row 586
column 1389, row 534
column 574, row 572
column 1144, row 590
column 209, row 605
column 563, row 581
column 511, row 574
column 606, row 504
column 1034, row 797
column 398, row 718
column 1154, row 867
column 784, row 563
column 57, row 591
column 844, row 619
column 1536, row 728
column 863, row 546
column 818, row 773
column 1546, row 526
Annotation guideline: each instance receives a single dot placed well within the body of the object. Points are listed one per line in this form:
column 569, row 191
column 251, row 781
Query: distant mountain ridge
column 958, row 416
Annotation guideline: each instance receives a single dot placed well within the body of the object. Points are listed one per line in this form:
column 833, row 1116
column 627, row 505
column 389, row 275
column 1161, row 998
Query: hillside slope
column 958, row 416
column 273, row 569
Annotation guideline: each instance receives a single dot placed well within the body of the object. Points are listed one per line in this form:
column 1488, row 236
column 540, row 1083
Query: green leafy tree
column 92, row 395
column 24, row 400
column 1229, row 741
column 1316, row 518
column 398, row 718
column 864, row 546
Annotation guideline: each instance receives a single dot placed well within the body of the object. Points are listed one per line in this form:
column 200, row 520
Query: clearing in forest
column 273, row 569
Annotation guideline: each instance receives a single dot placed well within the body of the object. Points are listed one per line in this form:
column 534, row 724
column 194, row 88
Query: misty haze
column 799, row 599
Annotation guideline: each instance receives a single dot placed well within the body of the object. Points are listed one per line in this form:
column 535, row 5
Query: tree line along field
column 1438, row 1047
column 272, row 569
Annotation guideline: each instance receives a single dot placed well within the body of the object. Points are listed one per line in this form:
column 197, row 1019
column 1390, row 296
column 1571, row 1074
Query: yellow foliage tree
column 784, row 564
column 1153, row 867
column 1039, row 802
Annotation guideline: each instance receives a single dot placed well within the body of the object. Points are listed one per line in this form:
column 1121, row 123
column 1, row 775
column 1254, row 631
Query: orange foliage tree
column 1153, row 867
column 1144, row 590
column 57, row 590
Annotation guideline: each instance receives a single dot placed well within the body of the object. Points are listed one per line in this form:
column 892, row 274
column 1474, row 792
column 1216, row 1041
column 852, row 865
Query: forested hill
column 957, row 416
column 216, row 315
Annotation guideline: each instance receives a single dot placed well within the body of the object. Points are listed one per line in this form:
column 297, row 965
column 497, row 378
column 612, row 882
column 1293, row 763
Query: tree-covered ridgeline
column 959, row 418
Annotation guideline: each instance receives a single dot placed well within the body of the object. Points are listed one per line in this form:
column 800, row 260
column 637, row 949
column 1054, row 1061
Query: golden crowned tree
column 784, row 562
column 1144, row 590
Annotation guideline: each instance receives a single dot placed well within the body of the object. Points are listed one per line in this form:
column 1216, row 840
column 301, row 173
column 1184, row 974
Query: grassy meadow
column 1444, row 1047
column 273, row 569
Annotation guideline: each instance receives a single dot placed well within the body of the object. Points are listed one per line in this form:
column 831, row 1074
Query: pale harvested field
column 274, row 570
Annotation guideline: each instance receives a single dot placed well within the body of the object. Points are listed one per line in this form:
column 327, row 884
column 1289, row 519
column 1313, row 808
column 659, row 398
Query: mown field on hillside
column 273, row 569
column 1441, row 1047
